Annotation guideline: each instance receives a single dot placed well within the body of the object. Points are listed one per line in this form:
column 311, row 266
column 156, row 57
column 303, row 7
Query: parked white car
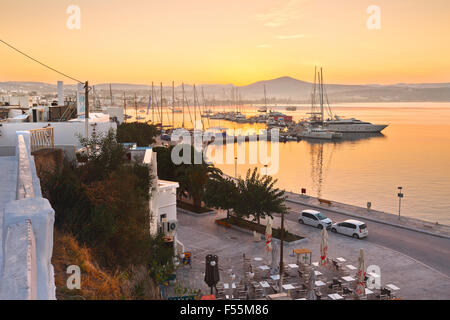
column 353, row 228
column 314, row 218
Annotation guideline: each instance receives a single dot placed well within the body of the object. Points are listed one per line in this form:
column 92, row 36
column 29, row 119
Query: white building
column 163, row 203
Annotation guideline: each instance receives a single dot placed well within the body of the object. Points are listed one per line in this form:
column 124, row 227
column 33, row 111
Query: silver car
column 314, row 218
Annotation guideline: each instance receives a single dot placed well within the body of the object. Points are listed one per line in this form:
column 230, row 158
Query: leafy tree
column 104, row 153
column 259, row 197
column 141, row 133
column 221, row 193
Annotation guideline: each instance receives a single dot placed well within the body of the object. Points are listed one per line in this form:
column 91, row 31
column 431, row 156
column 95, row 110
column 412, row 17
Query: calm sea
column 413, row 152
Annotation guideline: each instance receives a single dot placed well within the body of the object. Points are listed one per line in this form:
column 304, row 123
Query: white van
column 352, row 228
column 315, row 219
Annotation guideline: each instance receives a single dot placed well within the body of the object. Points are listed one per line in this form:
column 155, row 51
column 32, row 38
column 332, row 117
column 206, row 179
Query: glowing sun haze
column 233, row 41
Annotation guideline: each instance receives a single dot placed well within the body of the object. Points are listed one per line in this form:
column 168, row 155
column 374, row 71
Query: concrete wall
column 65, row 132
column 26, row 232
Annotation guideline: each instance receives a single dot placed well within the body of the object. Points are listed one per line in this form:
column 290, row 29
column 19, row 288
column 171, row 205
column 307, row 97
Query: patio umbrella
column 269, row 234
column 324, row 247
column 312, row 284
column 361, row 275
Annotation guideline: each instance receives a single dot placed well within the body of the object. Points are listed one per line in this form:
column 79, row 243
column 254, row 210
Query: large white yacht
column 352, row 125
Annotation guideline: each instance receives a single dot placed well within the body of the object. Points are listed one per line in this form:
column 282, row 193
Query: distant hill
column 284, row 88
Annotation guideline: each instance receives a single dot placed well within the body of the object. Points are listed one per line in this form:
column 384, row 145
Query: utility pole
column 86, row 109
column 281, row 250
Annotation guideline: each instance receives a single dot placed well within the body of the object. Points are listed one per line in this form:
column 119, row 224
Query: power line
column 41, row 63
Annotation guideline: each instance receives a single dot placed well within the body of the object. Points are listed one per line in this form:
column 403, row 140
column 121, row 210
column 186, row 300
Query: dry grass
column 96, row 284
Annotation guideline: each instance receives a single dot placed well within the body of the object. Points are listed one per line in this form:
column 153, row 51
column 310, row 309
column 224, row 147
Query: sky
column 227, row 41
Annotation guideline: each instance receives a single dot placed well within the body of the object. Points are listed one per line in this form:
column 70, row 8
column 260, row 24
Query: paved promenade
column 202, row 236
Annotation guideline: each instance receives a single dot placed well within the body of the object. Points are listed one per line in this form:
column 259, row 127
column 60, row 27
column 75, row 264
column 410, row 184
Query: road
column 430, row 250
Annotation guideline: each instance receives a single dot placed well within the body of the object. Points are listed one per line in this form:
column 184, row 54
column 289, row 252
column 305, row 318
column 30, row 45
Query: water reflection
column 348, row 137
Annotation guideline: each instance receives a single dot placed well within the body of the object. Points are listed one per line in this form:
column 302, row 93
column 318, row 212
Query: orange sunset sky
column 239, row 42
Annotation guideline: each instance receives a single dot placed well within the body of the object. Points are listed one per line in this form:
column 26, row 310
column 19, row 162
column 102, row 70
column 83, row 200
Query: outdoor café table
column 264, row 284
column 335, row 296
column 293, row 266
column 301, row 299
column 275, row 277
column 226, row 286
column 341, row 259
column 288, row 286
column 368, row 291
column 318, row 273
column 258, row 259
column 303, row 252
column 315, row 264
column 264, row 267
column 351, row 267
column 348, row 279
column 392, row 287
column 320, row 283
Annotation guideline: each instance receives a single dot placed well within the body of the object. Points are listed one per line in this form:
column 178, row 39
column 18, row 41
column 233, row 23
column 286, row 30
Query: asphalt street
column 431, row 250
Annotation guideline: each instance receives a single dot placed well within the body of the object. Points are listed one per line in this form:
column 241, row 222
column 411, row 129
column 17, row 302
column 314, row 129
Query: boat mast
column 183, row 105
column 205, row 107
column 265, row 98
column 195, row 104
column 125, row 106
column 321, row 95
column 110, row 94
column 152, row 104
column 161, row 105
column 173, row 104
column 135, row 107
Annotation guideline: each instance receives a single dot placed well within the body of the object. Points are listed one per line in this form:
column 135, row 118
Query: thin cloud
column 293, row 36
column 263, row 46
column 279, row 16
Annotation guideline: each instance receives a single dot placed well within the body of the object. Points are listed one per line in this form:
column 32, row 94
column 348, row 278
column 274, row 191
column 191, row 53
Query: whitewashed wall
column 26, row 233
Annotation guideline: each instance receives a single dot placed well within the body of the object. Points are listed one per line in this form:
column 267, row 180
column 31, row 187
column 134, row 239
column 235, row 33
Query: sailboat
column 264, row 108
column 315, row 128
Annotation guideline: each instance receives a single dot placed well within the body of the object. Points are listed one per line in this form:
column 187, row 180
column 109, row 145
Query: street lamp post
column 400, row 196
column 235, row 167
column 265, row 166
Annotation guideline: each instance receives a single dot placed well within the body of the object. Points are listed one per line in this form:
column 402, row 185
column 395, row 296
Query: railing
column 42, row 138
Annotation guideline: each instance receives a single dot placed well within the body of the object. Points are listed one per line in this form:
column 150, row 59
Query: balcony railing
column 42, row 138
